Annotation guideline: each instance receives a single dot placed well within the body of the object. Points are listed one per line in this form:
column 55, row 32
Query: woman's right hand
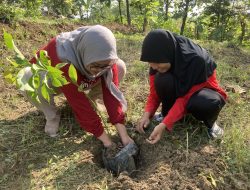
column 105, row 140
column 143, row 122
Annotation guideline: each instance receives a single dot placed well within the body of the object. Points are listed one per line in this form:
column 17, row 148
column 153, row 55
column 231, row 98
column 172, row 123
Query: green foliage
column 51, row 77
column 101, row 13
column 145, row 13
column 73, row 74
column 32, row 7
column 41, row 71
column 170, row 24
column 222, row 20
column 179, row 7
column 58, row 7
column 220, row 13
column 9, row 13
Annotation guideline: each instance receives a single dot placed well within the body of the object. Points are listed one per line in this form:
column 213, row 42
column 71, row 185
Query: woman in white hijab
column 92, row 50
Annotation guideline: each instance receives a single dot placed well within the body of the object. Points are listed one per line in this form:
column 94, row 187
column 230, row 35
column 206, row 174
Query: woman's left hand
column 155, row 136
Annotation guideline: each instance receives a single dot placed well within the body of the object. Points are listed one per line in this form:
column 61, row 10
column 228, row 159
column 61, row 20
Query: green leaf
column 21, row 61
column 45, row 93
column 34, row 96
column 11, row 45
column 19, row 55
column 9, row 78
column 73, row 74
column 55, row 82
column 8, row 40
column 36, row 81
column 38, row 62
column 58, row 81
column 12, row 62
column 7, row 73
column 36, row 68
column 56, row 77
column 43, row 57
column 60, row 65
column 63, row 81
column 54, row 72
column 23, row 81
column 50, row 90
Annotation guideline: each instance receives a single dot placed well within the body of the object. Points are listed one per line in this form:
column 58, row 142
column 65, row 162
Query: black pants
column 204, row 105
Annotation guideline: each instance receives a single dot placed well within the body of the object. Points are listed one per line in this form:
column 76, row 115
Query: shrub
column 9, row 13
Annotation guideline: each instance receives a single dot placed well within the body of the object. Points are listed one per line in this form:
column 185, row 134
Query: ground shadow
column 28, row 154
column 184, row 159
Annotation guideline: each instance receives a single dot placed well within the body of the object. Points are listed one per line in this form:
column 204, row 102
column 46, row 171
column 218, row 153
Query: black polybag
column 124, row 160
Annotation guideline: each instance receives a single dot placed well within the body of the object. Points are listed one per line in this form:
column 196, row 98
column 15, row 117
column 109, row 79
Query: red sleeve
column 214, row 84
column 113, row 106
column 83, row 110
column 153, row 101
column 178, row 110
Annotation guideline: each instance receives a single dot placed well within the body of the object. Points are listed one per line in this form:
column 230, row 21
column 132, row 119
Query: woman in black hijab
column 183, row 79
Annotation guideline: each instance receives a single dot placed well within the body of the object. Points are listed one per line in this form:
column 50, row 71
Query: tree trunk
column 184, row 18
column 62, row 7
column 27, row 5
column 197, row 34
column 219, row 14
column 88, row 14
column 166, row 3
column 120, row 10
column 80, row 12
column 243, row 30
column 145, row 23
column 128, row 13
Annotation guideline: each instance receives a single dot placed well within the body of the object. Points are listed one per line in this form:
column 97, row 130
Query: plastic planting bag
column 124, row 160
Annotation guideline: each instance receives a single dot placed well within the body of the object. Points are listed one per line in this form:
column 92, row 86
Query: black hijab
column 190, row 63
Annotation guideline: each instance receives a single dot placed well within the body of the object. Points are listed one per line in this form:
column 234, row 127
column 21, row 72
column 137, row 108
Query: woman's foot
column 215, row 131
column 158, row 117
column 52, row 126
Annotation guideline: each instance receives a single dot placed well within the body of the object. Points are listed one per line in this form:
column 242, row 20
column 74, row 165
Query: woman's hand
column 155, row 136
column 143, row 123
column 125, row 138
column 105, row 139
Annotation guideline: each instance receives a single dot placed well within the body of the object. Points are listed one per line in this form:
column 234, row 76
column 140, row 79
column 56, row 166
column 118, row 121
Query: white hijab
column 87, row 45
